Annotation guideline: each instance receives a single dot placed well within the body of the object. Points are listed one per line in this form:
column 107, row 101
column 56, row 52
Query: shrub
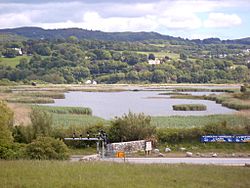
column 41, row 122
column 6, row 122
column 46, row 148
column 131, row 127
column 23, row 134
column 14, row 151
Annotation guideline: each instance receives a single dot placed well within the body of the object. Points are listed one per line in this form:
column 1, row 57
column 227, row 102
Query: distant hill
column 40, row 33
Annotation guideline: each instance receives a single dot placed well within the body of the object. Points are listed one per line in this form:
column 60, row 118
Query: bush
column 46, row 148
column 6, row 122
column 41, row 122
column 131, row 127
column 15, row 151
column 23, row 134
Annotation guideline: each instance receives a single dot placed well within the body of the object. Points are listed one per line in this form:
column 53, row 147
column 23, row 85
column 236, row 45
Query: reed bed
column 54, row 95
column 190, row 107
column 32, row 100
column 66, row 110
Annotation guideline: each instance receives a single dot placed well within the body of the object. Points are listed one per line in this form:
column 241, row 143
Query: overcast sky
column 227, row 19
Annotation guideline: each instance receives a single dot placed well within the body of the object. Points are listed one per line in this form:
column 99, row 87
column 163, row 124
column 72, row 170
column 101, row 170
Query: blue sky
column 226, row 19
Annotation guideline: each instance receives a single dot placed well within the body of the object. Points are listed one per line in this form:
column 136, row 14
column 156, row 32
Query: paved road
column 215, row 161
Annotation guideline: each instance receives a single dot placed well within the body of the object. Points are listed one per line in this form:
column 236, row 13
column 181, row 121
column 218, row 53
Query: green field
column 13, row 62
column 198, row 121
column 158, row 121
column 162, row 54
column 66, row 120
column 65, row 174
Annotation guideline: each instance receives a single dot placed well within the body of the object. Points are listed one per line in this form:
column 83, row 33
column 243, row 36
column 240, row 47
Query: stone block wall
column 127, row 147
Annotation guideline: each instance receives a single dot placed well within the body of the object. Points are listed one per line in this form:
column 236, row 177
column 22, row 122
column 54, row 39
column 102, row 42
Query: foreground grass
column 66, row 174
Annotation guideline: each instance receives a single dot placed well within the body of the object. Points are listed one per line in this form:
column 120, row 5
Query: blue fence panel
column 242, row 138
column 226, row 138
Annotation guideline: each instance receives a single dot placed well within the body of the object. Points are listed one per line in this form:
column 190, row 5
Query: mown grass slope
column 12, row 62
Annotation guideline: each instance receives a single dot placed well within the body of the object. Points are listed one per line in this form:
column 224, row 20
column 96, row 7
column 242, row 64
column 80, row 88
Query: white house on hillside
column 154, row 62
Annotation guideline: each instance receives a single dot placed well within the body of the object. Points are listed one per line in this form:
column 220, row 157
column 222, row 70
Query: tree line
column 72, row 61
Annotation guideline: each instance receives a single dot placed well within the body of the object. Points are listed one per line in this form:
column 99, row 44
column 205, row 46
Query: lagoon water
column 110, row 104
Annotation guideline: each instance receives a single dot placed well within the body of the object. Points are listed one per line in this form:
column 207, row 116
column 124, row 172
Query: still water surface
column 110, row 104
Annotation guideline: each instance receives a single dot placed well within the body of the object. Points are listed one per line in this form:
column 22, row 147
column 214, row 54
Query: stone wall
column 127, row 147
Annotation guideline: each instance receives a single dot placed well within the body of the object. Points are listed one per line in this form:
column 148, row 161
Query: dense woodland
column 121, row 58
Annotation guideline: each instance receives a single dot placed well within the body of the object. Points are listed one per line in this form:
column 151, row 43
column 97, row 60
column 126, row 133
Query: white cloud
column 14, row 20
column 138, row 15
column 218, row 20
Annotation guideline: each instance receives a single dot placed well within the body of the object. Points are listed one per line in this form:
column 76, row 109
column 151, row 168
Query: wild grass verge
column 100, row 174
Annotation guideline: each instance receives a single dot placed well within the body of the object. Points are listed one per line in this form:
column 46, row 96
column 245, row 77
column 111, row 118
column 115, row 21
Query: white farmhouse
column 154, row 62
column 88, row 82
column 19, row 50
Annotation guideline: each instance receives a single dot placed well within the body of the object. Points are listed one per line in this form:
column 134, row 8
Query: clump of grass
column 190, row 89
column 173, row 93
column 97, row 89
column 234, row 101
column 186, row 96
column 54, row 95
column 30, row 100
column 225, row 90
column 190, row 107
column 66, row 110
column 205, row 89
column 229, row 101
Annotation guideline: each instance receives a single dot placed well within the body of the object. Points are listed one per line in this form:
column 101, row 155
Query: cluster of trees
column 33, row 141
column 73, row 61
column 40, row 141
